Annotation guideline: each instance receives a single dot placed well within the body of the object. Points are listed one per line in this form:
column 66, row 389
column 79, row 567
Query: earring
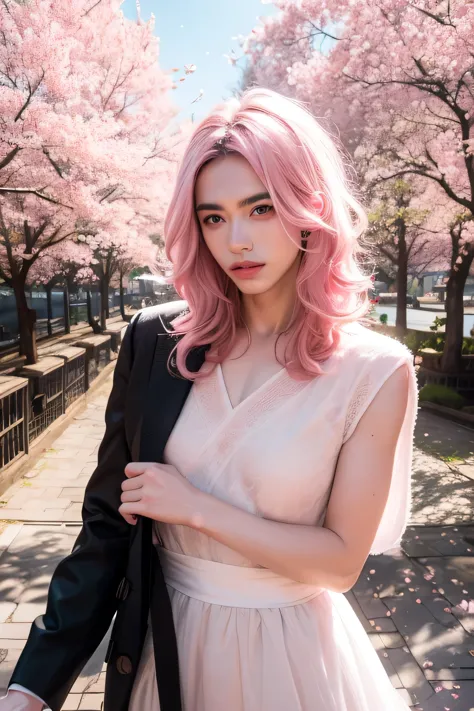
column 304, row 238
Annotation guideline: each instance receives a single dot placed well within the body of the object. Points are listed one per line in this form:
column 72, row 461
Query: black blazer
column 113, row 567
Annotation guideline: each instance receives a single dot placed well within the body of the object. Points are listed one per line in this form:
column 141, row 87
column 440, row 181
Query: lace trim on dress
column 356, row 403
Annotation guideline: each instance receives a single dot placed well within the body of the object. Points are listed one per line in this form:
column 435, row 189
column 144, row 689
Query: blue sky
column 200, row 32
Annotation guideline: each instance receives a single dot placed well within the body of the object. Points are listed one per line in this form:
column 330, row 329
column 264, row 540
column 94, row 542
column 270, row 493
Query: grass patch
column 442, row 395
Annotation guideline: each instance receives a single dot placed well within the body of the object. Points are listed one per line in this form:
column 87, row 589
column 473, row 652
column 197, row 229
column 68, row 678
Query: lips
column 245, row 265
column 246, row 270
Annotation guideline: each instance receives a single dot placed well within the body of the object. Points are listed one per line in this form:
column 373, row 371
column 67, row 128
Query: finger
column 132, row 507
column 136, row 468
column 131, row 484
column 128, row 496
column 130, row 516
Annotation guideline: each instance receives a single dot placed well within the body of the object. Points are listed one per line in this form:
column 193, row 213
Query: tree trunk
column 107, row 305
column 402, row 282
column 26, row 324
column 90, row 318
column 451, row 361
column 67, row 315
column 49, row 307
column 122, row 304
column 104, row 292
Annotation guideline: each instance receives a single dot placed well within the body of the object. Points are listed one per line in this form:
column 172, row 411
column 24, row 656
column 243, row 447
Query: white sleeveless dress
column 248, row 639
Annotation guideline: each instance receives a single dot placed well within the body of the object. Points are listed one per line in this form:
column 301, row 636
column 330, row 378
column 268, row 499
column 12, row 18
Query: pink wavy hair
column 296, row 160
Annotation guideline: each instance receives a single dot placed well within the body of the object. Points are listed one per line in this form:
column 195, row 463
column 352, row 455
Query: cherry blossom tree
column 398, row 229
column 86, row 140
column 116, row 256
column 65, row 265
column 398, row 77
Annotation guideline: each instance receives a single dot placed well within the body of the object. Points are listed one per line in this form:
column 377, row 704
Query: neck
column 270, row 313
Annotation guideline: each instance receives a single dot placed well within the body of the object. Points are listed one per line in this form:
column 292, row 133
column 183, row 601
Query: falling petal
column 438, row 689
column 407, row 580
column 443, row 534
column 447, row 609
column 427, row 576
column 434, row 590
column 418, row 601
column 189, row 68
column 411, row 589
column 455, row 696
column 182, row 79
column 388, row 613
column 372, row 571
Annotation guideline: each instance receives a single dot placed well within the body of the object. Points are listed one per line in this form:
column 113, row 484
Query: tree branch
column 53, row 163
column 28, row 191
column 9, row 157
column 31, row 93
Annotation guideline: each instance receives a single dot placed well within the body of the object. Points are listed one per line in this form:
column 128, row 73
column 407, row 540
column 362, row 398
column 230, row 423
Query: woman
column 289, row 460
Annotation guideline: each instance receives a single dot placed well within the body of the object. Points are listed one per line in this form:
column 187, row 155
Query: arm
column 331, row 556
column 82, row 594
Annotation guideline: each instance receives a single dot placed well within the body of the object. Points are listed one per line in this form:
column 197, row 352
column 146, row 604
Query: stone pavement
column 416, row 604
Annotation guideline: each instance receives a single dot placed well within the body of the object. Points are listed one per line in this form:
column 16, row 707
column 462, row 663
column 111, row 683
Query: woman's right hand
column 19, row 701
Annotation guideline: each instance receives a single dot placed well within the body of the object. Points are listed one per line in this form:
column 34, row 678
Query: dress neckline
column 253, row 394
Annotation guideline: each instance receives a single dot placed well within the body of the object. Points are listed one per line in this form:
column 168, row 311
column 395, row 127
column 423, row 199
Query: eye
column 207, row 220
column 266, row 209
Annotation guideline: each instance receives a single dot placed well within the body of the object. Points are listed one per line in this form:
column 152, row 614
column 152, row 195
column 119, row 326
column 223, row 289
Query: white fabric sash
column 232, row 585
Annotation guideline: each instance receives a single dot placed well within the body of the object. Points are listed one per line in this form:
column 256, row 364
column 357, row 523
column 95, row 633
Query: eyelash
column 207, row 219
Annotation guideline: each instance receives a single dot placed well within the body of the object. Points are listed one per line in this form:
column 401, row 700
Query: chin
column 254, row 287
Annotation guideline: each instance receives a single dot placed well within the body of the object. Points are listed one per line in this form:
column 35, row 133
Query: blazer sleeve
column 82, row 593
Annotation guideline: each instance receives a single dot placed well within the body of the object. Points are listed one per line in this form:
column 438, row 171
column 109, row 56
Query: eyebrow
column 243, row 203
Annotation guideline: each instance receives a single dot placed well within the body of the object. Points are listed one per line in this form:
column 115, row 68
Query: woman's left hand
column 157, row 491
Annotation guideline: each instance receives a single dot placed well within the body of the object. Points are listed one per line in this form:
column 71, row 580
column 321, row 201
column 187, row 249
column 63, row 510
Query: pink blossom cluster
column 88, row 148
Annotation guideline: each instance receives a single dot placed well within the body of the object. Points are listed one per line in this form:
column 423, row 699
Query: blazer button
column 124, row 665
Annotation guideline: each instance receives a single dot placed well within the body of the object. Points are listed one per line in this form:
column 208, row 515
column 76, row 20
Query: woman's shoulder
column 361, row 343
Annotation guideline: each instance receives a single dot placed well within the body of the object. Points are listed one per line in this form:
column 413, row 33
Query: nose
column 239, row 238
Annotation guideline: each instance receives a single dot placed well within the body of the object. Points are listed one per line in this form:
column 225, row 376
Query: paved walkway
column 416, row 605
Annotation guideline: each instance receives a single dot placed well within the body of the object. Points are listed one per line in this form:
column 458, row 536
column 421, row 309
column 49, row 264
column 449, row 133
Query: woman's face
column 239, row 224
